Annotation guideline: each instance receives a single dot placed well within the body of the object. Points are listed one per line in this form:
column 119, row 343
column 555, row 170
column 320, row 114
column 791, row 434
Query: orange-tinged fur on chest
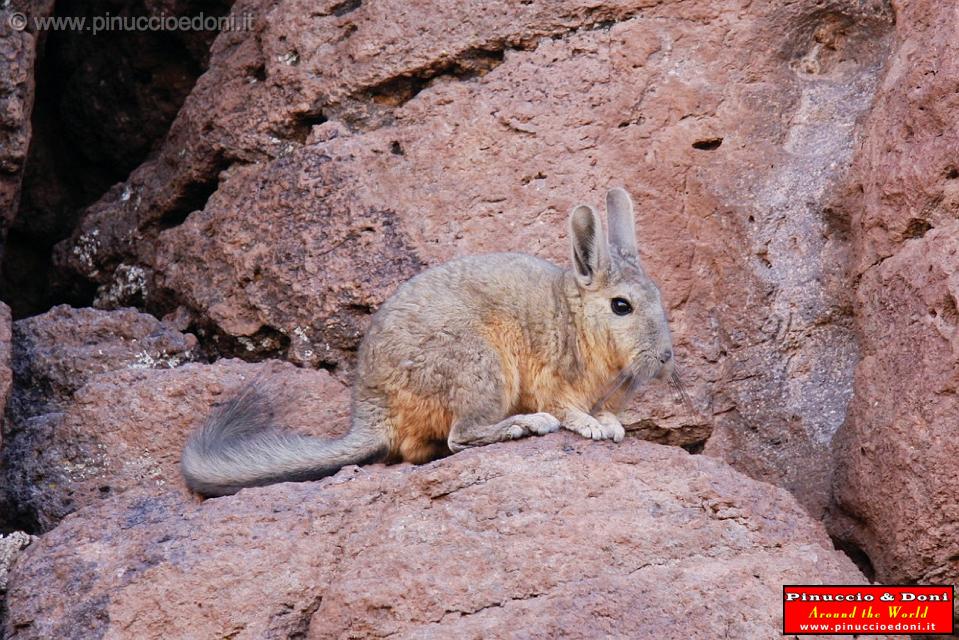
column 550, row 382
column 532, row 381
column 602, row 363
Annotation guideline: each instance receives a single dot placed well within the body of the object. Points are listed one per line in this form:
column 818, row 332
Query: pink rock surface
column 897, row 454
column 54, row 355
column 126, row 428
column 545, row 537
column 18, row 51
column 6, row 376
column 57, row 352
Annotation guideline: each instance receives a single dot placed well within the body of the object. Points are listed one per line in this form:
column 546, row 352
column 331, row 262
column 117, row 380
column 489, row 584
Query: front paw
column 612, row 426
column 589, row 427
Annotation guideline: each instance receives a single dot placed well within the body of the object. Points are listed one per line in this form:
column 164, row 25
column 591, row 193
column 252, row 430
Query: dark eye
column 621, row 306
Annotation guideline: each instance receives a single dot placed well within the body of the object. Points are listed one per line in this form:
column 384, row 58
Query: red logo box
column 868, row 610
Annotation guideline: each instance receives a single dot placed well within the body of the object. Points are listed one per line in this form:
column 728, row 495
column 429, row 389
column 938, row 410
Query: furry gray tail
column 239, row 446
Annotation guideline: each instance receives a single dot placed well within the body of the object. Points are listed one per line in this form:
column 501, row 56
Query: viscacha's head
column 622, row 308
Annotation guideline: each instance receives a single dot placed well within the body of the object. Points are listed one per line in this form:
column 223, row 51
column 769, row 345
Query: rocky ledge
column 575, row 539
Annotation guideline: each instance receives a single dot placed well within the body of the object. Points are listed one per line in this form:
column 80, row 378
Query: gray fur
column 240, row 446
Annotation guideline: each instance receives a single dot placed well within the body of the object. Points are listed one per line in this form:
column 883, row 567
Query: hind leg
column 481, row 398
column 476, row 433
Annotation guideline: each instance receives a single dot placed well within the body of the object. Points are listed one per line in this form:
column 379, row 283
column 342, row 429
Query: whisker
column 677, row 384
column 623, row 388
column 623, row 379
column 634, row 387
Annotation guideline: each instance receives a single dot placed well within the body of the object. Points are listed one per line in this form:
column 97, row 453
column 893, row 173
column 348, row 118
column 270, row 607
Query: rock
column 57, row 352
column 897, row 454
column 10, row 546
column 6, row 377
column 556, row 535
column 54, row 355
column 323, row 160
column 126, row 428
column 309, row 279
column 18, row 51
column 105, row 99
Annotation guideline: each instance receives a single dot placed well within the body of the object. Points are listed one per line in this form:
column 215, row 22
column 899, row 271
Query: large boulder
column 18, row 54
column 126, row 428
column 552, row 536
column 898, row 453
column 329, row 154
column 57, row 352
column 6, row 376
column 54, row 355
column 104, row 100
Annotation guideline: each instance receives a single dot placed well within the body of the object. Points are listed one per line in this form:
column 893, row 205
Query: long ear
column 621, row 222
column 590, row 251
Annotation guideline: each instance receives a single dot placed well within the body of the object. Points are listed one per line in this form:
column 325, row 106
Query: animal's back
column 494, row 279
column 458, row 297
